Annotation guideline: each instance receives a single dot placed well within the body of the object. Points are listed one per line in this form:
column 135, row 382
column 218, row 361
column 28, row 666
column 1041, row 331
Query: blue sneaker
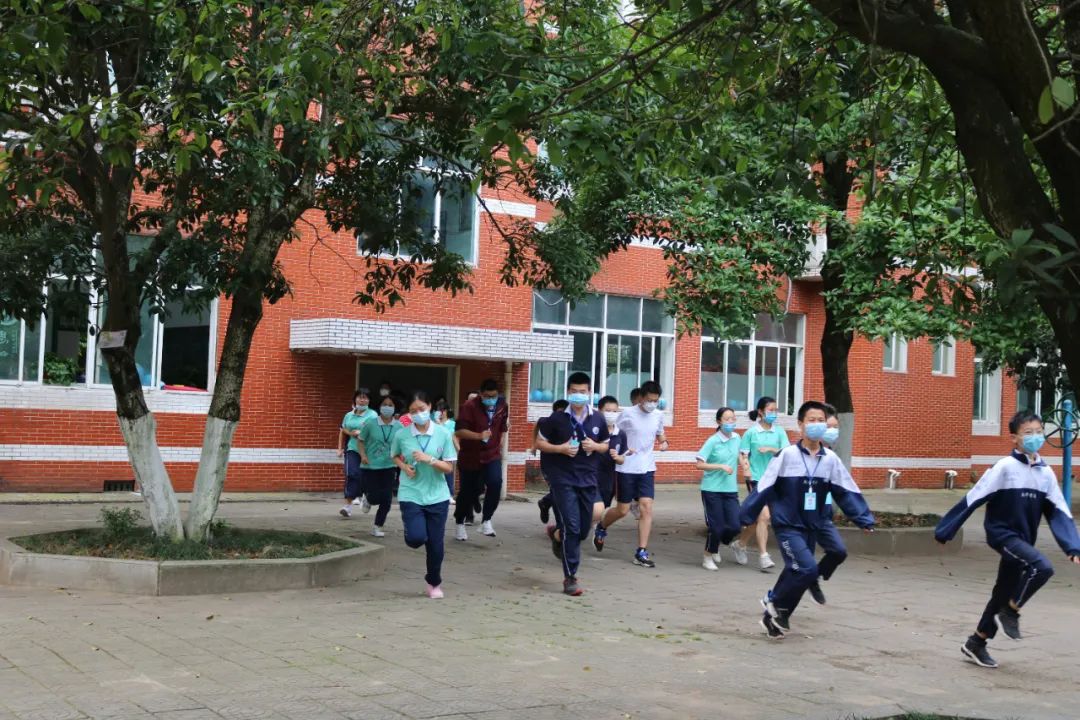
column 642, row 558
column 598, row 537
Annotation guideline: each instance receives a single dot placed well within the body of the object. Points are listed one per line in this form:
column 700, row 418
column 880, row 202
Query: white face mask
column 610, row 417
column 649, row 406
column 436, row 415
column 384, row 392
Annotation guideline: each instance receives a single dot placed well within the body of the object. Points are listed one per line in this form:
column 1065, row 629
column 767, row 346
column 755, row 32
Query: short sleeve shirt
column 641, row 429
column 429, row 485
column 354, row 421
column 377, row 437
column 758, row 437
column 616, row 442
column 580, row 470
column 720, row 449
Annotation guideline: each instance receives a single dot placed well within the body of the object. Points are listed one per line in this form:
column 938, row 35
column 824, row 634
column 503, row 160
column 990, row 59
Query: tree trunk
column 224, row 414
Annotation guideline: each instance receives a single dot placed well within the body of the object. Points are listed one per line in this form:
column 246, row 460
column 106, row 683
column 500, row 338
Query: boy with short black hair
column 1018, row 490
column 827, row 536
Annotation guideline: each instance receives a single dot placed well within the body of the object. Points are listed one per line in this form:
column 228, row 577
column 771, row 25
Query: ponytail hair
column 762, row 403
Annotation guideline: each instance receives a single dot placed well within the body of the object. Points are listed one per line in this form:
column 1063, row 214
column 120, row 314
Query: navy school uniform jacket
column 581, row 469
column 1017, row 493
column 792, row 474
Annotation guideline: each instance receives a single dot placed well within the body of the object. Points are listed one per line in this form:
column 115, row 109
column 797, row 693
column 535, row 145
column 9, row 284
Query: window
column 176, row 349
column 986, row 407
column 619, row 341
column 895, row 354
column 944, row 357
column 769, row 362
column 1038, row 391
column 444, row 211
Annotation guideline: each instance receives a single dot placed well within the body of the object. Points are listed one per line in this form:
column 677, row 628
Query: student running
column 644, row 426
column 424, row 452
column 444, row 417
column 1018, row 490
column 377, row 468
column 827, row 536
column 794, row 487
column 350, row 428
column 615, row 457
column 719, row 459
column 545, row 502
column 571, row 444
column 760, row 444
column 481, row 425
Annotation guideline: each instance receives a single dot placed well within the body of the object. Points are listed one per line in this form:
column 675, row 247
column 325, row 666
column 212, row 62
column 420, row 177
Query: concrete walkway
column 673, row 642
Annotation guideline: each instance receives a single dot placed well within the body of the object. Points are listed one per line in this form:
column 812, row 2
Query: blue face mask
column 578, row 399
column 770, row 418
column 386, row 411
column 490, row 402
column 728, row 427
column 815, row 431
column 1033, row 443
column 831, row 435
column 360, row 409
column 421, row 418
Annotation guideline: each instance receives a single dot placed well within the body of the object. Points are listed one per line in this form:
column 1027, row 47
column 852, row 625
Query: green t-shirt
column 377, row 437
column 429, row 485
column 758, row 437
column 720, row 450
column 450, row 426
column 353, row 421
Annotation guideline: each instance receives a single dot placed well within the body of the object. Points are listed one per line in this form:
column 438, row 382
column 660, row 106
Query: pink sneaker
column 435, row 593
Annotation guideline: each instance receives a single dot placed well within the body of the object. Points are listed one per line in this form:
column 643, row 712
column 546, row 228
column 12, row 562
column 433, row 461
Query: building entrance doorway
column 438, row 381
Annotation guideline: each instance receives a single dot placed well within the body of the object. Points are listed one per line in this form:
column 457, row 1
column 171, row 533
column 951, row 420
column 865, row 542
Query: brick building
column 922, row 409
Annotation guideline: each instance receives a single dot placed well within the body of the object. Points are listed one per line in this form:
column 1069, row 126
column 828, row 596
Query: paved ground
column 674, row 642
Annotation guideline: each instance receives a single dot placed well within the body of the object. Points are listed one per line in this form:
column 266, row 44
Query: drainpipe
column 508, row 377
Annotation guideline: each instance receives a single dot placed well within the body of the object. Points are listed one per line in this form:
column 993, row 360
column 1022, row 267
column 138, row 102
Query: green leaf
column 76, row 127
column 1063, row 92
column 1046, row 106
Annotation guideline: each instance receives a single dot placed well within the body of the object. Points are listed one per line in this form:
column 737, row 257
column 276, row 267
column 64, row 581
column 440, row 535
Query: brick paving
column 674, row 642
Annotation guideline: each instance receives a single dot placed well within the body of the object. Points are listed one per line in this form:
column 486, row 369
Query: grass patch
column 897, row 520
column 228, row 543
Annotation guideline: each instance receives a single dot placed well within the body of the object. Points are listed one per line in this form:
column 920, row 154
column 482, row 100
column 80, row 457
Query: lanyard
column 423, row 441
column 809, row 475
column 386, row 430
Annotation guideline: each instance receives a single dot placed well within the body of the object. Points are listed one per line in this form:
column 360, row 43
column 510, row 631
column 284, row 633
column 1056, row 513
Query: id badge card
column 828, row 499
column 810, row 501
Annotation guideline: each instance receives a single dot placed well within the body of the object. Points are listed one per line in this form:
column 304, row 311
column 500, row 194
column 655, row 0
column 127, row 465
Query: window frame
column 601, row 335
column 989, row 423
column 898, row 362
column 796, row 370
column 948, row 357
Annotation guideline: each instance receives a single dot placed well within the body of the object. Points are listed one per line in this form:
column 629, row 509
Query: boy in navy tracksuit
column 1018, row 490
column 827, row 536
column 795, row 487
column 571, row 444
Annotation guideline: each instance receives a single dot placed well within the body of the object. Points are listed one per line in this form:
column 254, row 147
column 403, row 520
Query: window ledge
column 943, row 375
column 985, row 427
column 81, row 397
column 895, row 372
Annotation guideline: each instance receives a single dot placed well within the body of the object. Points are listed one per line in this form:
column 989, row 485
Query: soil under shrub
column 887, row 520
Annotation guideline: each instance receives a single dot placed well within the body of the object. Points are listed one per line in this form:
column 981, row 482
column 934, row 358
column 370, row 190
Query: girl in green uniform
column 760, row 444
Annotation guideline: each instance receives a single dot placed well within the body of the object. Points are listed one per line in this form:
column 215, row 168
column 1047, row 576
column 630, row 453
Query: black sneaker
column 598, row 536
column 974, row 649
column 571, row 587
column 476, row 506
column 778, row 617
column 1009, row 622
column 816, row 593
column 774, row 632
column 545, row 509
column 642, row 558
column 556, row 545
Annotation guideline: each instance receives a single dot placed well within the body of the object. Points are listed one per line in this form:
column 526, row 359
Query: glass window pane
column 792, row 328
column 654, row 318
column 738, row 377
column 549, row 307
column 144, row 351
column 185, row 346
column 621, row 373
column 10, row 331
column 66, row 324
column 623, row 313
column 786, row 330
column 546, row 379
column 31, row 357
column 890, row 351
column 456, row 218
column 664, row 370
column 418, row 204
column 712, row 375
column 583, row 352
column 588, row 312
column 785, row 393
column 765, row 371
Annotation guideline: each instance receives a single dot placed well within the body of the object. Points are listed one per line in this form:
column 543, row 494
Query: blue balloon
column 662, row 404
column 547, row 396
column 536, row 396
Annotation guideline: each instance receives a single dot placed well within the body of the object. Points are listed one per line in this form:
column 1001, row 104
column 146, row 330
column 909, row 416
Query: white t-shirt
column 641, row 428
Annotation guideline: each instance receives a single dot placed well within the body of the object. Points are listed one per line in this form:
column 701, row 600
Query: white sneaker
column 708, row 563
column 345, row 511
column 460, row 534
column 364, row 504
column 717, row 559
column 453, row 502
column 635, row 509
column 487, row 529
column 377, row 531
column 356, row 501
column 739, row 552
column 765, row 562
